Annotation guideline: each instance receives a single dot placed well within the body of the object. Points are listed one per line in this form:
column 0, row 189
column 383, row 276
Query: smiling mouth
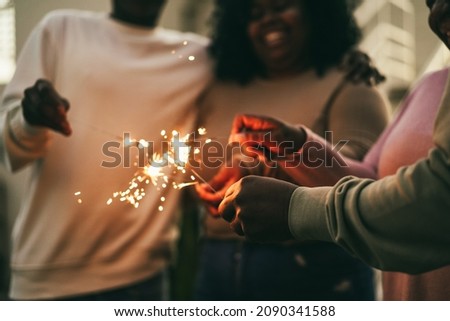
column 274, row 38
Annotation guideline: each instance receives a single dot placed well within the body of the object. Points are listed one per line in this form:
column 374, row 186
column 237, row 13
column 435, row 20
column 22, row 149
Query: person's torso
column 118, row 80
column 296, row 100
column 409, row 139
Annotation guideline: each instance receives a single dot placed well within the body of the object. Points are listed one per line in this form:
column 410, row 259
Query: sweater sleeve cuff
column 21, row 127
column 24, row 135
column 308, row 215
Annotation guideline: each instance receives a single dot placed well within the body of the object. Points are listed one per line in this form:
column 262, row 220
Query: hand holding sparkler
column 258, row 208
column 267, row 135
column 43, row 106
column 212, row 192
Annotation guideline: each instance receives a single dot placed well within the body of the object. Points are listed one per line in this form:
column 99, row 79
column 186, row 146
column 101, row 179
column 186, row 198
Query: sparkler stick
column 202, row 179
column 96, row 129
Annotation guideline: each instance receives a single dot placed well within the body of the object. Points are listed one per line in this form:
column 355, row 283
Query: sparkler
column 161, row 176
column 162, row 171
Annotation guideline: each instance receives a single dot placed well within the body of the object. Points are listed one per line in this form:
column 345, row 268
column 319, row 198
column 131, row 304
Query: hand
column 43, row 106
column 258, row 208
column 213, row 192
column 267, row 134
column 359, row 68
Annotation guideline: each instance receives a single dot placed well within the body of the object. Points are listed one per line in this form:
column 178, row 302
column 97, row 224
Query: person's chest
column 412, row 136
column 294, row 101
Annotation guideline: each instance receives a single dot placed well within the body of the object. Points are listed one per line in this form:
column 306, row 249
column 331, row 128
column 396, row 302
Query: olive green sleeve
column 399, row 223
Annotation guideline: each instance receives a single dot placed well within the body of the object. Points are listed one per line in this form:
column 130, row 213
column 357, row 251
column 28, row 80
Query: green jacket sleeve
column 399, row 223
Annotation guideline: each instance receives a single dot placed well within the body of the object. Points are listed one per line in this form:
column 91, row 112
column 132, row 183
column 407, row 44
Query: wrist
column 298, row 136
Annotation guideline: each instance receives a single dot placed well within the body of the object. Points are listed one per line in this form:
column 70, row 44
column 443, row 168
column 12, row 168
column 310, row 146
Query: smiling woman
column 323, row 39
column 280, row 33
column 281, row 58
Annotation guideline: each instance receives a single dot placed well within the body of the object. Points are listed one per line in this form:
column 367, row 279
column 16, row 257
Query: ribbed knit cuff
column 307, row 214
column 24, row 135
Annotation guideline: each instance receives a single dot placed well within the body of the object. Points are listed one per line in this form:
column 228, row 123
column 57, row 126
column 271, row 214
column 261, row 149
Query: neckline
column 131, row 29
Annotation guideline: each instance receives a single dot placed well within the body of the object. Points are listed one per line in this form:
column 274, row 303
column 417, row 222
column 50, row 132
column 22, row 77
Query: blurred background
column 396, row 36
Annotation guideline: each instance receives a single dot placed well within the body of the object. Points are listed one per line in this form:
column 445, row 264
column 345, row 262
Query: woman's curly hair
column 333, row 27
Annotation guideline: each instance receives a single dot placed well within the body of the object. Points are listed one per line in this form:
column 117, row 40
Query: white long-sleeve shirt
column 119, row 79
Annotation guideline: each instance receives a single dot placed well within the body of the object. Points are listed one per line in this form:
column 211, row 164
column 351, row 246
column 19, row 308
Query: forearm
column 21, row 143
column 399, row 223
column 319, row 163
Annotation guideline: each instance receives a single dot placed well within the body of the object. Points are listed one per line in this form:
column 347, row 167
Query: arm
column 399, row 223
column 25, row 114
column 357, row 118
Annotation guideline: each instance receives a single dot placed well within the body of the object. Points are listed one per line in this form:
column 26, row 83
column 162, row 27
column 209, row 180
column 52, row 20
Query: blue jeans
column 154, row 289
column 234, row 270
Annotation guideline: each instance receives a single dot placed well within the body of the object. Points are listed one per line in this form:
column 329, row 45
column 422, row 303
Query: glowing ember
column 163, row 170
column 143, row 143
column 183, row 185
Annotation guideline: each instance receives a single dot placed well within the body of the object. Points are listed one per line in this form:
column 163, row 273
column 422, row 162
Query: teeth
column 273, row 37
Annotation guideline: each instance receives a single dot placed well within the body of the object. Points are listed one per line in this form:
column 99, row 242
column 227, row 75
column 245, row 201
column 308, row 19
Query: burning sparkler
column 163, row 170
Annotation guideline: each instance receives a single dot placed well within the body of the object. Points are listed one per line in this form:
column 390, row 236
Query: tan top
column 358, row 114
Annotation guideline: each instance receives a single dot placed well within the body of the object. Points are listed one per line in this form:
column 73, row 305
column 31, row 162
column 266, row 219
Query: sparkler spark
column 163, row 170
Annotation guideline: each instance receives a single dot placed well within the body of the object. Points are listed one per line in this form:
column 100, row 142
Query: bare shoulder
column 361, row 97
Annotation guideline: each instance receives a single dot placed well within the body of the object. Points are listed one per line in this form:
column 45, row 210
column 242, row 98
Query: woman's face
column 279, row 32
column 439, row 19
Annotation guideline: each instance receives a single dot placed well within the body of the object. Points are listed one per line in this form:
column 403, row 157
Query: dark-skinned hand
column 212, row 193
column 43, row 106
column 267, row 135
column 359, row 68
column 258, row 207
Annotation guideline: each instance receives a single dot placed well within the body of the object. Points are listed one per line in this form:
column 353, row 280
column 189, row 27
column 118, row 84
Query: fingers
column 227, row 208
column 213, row 192
column 212, row 210
column 206, row 194
column 360, row 69
column 243, row 123
column 230, row 211
column 43, row 106
column 237, row 226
